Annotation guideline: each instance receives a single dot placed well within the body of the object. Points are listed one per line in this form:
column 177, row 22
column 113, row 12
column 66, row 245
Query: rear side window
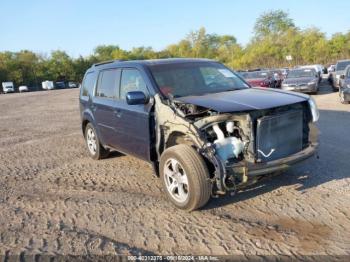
column 108, row 84
column 88, row 84
column 132, row 80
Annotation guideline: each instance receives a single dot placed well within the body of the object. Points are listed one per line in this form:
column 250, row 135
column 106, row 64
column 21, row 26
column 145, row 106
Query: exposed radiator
column 279, row 136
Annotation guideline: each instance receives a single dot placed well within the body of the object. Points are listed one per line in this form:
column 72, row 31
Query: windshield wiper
column 229, row 89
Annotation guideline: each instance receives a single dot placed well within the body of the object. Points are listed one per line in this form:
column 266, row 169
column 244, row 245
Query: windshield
column 301, row 73
column 342, row 65
column 195, row 78
column 255, row 74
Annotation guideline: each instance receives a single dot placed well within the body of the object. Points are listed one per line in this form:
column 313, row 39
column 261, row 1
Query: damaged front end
column 238, row 147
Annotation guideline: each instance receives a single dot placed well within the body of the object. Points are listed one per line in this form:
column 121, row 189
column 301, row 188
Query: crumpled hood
column 245, row 99
column 298, row 80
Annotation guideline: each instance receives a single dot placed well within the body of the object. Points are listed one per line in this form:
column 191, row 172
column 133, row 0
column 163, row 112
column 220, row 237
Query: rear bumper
column 276, row 165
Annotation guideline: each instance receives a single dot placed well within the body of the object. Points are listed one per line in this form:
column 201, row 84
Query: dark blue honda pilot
column 202, row 127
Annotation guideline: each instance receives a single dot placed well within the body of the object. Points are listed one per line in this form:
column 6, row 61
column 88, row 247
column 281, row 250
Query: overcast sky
column 77, row 26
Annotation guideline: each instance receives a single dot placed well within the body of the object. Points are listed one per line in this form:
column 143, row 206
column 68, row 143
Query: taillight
column 264, row 84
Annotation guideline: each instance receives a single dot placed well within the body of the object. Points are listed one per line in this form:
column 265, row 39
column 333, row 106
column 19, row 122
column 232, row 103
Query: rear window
column 108, row 84
column 301, row 73
column 342, row 65
column 255, row 75
column 88, row 84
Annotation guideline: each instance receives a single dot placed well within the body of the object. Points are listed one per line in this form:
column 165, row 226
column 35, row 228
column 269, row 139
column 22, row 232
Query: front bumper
column 303, row 88
column 257, row 169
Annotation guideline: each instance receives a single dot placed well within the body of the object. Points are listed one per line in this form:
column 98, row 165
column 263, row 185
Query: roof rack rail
column 107, row 62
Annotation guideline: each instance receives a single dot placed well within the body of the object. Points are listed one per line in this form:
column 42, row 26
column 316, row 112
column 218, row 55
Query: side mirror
column 317, row 76
column 342, row 76
column 136, row 98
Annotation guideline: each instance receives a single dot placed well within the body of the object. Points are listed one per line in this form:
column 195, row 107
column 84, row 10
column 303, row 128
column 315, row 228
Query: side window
column 131, row 81
column 88, row 84
column 108, row 83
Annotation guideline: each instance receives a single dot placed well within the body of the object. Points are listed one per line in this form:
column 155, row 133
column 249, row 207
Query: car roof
column 303, row 68
column 148, row 62
column 344, row 60
column 311, row 66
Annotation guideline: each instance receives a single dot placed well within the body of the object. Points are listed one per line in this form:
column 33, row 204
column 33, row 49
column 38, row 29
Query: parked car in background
column 60, row 85
column 331, row 68
column 204, row 130
column 8, row 87
column 72, row 84
column 284, row 72
column 278, row 77
column 344, row 90
column 23, row 89
column 47, row 85
column 335, row 79
column 317, row 68
column 301, row 80
column 259, row 78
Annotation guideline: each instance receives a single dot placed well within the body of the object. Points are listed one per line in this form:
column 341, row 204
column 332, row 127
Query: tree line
column 274, row 37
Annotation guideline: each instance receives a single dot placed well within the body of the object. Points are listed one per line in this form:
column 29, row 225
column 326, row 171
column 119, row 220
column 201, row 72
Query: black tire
column 100, row 152
column 199, row 185
column 315, row 92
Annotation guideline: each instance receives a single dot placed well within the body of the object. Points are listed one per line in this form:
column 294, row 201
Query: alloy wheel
column 91, row 141
column 176, row 180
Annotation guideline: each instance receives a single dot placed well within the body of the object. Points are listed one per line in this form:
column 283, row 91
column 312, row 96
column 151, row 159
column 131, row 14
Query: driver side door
column 132, row 123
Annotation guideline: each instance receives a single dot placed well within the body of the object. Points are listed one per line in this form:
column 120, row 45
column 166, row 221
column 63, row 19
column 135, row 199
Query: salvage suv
column 202, row 127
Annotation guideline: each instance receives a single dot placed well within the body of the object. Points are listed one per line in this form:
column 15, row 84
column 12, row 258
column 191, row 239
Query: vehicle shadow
column 332, row 164
column 114, row 154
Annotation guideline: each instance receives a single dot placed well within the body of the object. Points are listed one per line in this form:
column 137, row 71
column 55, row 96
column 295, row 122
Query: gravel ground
column 55, row 200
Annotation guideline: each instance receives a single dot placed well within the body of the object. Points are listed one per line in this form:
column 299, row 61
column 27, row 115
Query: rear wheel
column 96, row 150
column 185, row 177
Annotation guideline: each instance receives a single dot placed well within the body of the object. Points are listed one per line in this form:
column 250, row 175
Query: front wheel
column 96, row 150
column 185, row 177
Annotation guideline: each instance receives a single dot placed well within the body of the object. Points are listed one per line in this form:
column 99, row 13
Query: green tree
column 274, row 22
column 60, row 66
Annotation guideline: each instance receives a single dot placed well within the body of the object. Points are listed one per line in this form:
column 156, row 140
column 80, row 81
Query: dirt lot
column 54, row 199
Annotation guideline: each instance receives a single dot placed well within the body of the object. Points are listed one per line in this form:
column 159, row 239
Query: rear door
column 133, row 121
column 104, row 105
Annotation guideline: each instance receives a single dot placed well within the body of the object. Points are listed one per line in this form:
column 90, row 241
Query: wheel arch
column 86, row 118
column 177, row 138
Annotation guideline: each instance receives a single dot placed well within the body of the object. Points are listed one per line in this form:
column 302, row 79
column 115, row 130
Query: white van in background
column 22, row 89
column 47, row 85
column 8, row 87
